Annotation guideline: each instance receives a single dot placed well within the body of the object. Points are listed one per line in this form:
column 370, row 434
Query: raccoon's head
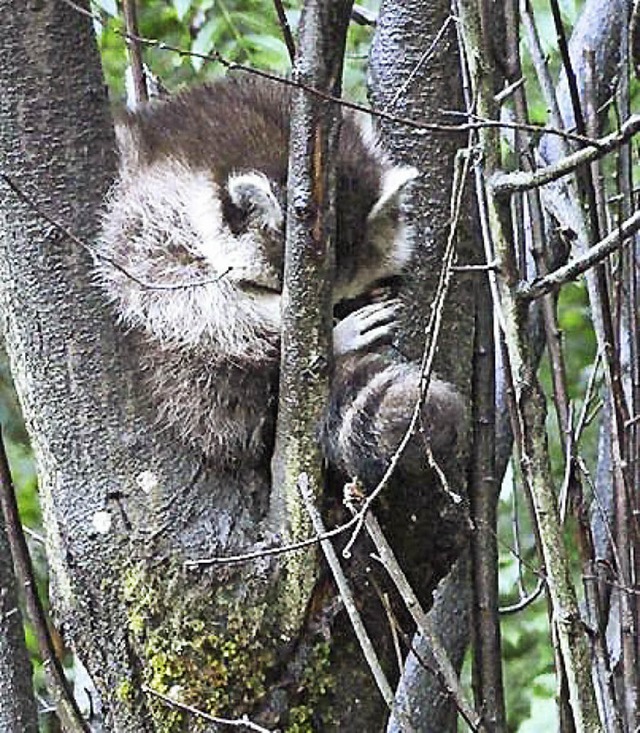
column 370, row 235
column 254, row 208
column 371, row 242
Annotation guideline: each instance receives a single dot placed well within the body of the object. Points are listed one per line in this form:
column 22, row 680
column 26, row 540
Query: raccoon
column 191, row 253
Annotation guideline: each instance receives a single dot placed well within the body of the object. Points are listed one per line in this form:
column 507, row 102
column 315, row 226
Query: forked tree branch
column 592, row 257
column 504, row 184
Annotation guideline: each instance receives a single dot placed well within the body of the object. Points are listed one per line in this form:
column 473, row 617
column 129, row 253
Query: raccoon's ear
column 252, row 194
column 393, row 182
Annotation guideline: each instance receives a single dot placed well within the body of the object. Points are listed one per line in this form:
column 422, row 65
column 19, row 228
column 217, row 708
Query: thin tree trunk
column 18, row 713
column 413, row 68
column 308, row 277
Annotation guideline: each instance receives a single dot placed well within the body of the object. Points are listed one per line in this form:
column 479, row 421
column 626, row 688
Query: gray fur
column 191, row 254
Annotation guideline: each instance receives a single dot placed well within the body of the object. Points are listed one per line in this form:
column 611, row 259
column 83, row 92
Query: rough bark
column 307, row 294
column 125, row 504
column 18, row 712
column 62, row 160
column 400, row 83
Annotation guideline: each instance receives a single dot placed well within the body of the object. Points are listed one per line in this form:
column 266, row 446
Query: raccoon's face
column 254, row 210
column 370, row 239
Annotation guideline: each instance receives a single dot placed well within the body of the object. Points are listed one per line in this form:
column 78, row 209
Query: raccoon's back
column 229, row 125
column 240, row 123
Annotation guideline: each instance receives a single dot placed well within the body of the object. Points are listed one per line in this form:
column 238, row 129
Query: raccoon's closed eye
column 252, row 287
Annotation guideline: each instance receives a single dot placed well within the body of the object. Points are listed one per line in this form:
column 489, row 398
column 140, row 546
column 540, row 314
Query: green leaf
column 203, row 42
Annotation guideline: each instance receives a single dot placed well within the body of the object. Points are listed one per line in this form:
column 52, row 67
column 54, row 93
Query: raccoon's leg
column 372, row 400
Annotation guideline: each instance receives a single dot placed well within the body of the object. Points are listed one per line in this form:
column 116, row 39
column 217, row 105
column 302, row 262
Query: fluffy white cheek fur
column 165, row 228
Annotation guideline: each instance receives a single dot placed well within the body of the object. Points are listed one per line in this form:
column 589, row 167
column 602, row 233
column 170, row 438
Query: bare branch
column 269, row 551
column 504, row 184
column 524, row 601
column 362, row 15
column 18, row 709
column 389, row 562
column 286, row 29
column 66, row 707
column 424, row 127
column 309, row 262
column 345, row 593
column 580, row 265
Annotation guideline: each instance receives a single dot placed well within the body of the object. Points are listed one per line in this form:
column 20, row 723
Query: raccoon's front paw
column 368, row 326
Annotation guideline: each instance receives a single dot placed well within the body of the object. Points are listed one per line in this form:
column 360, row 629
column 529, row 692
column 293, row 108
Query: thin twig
column 515, row 533
column 421, row 61
column 270, row 551
column 589, row 394
column 425, row 628
column 394, row 626
column 243, row 722
column 31, row 533
column 286, row 29
column 540, row 64
column 95, row 252
column 481, row 268
column 66, row 706
column 510, row 90
column 345, row 593
column 363, row 16
column 216, row 57
column 525, row 601
column 484, row 122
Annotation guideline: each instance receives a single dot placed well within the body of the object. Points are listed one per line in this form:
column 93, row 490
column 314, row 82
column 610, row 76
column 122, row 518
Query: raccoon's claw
column 370, row 325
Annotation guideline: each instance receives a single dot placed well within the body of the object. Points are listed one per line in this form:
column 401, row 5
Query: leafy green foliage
column 243, row 32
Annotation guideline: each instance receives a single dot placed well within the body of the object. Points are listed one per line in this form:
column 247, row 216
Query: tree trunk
column 125, row 504
column 411, row 79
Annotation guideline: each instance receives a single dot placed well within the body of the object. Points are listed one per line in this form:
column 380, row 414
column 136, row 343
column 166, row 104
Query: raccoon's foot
column 369, row 326
column 437, row 428
column 372, row 403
